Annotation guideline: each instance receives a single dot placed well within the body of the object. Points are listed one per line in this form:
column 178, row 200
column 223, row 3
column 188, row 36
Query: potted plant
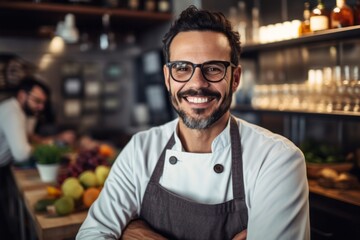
column 47, row 158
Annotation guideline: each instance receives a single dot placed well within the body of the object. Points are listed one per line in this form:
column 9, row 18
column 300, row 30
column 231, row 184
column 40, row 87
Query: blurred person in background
column 18, row 116
column 206, row 174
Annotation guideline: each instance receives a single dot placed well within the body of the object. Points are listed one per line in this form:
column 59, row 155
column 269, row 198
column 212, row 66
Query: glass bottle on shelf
column 255, row 25
column 357, row 12
column 150, row 5
column 242, row 24
column 107, row 37
column 133, row 4
column 164, row 6
column 342, row 15
column 305, row 25
column 319, row 18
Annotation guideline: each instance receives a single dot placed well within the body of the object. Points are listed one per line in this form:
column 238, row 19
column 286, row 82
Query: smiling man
column 206, row 174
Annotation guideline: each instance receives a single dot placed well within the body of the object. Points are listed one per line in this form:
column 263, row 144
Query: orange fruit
column 106, row 150
column 53, row 191
column 90, row 195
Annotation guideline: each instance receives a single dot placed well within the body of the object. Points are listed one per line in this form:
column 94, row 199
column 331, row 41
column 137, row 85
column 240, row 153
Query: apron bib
column 177, row 218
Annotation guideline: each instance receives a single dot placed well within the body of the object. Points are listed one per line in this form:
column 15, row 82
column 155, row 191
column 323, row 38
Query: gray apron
column 177, row 218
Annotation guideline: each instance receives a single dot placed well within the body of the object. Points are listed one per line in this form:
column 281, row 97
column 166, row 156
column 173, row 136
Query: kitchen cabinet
column 279, row 66
column 332, row 219
column 31, row 18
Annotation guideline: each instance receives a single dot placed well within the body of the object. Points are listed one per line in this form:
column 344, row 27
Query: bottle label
column 319, row 23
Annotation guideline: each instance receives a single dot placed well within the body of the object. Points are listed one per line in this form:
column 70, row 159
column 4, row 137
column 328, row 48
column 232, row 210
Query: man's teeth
column 197, row 99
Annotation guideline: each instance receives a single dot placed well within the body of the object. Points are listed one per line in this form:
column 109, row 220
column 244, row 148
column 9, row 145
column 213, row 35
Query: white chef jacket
column 14, row 143
column 276, row 187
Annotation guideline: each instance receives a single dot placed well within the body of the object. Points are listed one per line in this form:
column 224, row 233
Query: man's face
column 198, row 102
column 34, row 102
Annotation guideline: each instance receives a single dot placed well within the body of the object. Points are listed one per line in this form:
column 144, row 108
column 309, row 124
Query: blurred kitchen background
column 103, row 62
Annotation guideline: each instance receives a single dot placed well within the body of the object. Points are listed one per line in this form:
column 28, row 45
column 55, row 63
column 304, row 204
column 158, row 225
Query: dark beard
column 202, row 123
column 28, row 111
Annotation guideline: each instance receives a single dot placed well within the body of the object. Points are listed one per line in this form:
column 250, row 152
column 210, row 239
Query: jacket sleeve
column 279, row 207
column 14, row 128
column 117, row 203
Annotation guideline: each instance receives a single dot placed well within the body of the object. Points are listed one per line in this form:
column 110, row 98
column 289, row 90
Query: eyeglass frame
column 200, row 65
column 36, row 99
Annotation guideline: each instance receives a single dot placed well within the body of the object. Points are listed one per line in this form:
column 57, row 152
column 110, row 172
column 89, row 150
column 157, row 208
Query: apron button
column 218, row 168
column 173, row 160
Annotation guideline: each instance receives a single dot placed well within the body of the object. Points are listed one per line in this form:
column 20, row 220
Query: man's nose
column 197, row 79
column 41, row 106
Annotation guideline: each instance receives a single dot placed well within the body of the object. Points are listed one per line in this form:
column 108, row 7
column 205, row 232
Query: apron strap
column 237, row 166
column 155, row 177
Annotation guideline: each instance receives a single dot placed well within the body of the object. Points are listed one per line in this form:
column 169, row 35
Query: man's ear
column 166, row 77
column 236, row 78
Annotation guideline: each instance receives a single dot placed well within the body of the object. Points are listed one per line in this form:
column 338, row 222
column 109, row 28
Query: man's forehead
column 205, row 43
column 38, row 91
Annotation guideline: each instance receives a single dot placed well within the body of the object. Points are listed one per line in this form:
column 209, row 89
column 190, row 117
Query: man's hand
column 139, row 230
column 68, row 136
column 241, row 236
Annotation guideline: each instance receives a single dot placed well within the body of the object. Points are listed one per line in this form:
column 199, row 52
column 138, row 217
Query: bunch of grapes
column 86, row 160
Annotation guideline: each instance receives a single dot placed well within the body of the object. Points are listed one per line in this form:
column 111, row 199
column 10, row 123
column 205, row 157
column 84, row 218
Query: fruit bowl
column 313, row 169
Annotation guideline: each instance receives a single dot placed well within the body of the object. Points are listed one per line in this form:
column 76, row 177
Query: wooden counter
column 50, row 227
column 27, row 179
column 351, row 196
column 30, row 189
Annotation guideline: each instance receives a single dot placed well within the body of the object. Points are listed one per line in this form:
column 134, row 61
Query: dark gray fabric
column 178, row 218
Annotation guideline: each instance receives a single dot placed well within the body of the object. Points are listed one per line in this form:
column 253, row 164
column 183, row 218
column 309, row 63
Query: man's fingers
column 241, row 236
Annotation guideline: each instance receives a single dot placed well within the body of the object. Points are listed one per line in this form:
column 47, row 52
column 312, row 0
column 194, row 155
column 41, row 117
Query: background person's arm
column 15, row 131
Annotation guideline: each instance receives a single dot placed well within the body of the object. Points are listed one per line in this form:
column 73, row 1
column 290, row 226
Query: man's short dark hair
column 192, row 19
column 29, row 82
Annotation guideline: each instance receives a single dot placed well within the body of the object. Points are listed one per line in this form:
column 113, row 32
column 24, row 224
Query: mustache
column 199, row 92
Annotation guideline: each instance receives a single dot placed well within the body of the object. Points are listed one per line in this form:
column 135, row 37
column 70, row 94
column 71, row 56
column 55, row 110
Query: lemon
column 101, row 173
column 71, row 187
column 88, row 179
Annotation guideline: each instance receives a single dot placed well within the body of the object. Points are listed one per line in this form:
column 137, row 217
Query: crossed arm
column 139, row 230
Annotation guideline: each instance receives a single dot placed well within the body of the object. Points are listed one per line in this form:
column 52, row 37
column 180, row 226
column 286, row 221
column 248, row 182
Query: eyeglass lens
column 36, row 99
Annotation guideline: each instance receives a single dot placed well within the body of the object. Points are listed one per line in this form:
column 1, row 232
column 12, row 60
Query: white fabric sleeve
column 14, row 128
column 279, row 202
column 117, row 203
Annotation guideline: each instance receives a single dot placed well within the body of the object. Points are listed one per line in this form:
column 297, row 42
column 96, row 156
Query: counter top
column 351, row 196
column 50, row 227
column 31, row 189
column 27, row 179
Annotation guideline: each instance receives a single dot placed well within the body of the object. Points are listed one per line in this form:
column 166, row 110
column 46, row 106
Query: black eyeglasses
column 36, row 99
column 212, row 71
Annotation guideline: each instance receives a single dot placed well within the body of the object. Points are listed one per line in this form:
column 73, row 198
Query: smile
column 198, row 99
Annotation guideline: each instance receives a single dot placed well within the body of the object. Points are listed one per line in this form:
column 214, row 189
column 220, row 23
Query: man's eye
column 213, row 69
column 182, row 68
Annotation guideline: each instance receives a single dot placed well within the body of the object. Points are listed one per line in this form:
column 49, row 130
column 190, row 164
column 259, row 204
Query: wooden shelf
column 330, row 115
column 322, row 36
column 87, row 10
column 21, row 17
